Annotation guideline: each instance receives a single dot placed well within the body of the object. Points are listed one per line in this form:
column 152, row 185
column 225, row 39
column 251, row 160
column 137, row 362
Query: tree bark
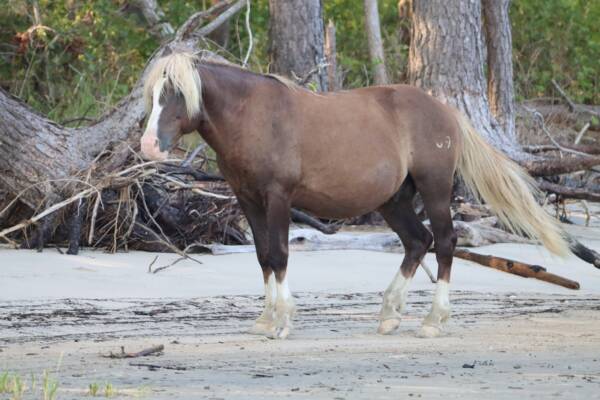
column 296, row 40
column 446, row 59
column 499, row 64
column 375, row 42
column 331, row 57
column 39, row 155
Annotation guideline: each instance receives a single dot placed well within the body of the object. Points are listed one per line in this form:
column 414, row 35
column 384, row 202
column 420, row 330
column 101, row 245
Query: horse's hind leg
column 399, row 213
column 436, row 191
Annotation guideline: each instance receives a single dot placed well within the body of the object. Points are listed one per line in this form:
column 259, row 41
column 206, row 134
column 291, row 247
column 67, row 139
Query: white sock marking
column 440, row 307
column 394, row 298
column 283, row 291
column 270, row 291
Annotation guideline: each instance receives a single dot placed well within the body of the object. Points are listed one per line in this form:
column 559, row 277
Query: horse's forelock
column 180, row 72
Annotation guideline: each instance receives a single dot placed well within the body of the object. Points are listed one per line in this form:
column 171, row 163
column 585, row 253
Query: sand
column 508, row 337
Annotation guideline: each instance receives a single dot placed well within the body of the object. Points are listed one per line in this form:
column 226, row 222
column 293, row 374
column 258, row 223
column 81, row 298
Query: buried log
column 517, row 268
column 146, row 352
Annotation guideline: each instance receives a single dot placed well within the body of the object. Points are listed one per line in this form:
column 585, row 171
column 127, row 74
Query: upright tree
column 499, row 64
column 447, row 59
column 297, row 40
column 375, row 42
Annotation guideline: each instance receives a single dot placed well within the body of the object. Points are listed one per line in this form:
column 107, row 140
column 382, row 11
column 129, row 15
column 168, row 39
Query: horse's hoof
column 280, row 333
column 388, row 326
column 261, row 328
column 429, row 331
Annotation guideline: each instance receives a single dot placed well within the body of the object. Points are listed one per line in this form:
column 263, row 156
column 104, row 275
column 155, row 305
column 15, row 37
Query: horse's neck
column 223, row 90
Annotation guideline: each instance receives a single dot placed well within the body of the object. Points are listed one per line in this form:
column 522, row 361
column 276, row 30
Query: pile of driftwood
column 132, row 204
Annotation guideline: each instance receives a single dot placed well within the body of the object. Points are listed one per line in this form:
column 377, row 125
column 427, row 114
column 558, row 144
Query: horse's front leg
column 278, row 222
column 256, row 215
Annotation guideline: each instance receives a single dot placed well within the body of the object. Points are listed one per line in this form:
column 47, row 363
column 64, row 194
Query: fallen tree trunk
column 516, row 267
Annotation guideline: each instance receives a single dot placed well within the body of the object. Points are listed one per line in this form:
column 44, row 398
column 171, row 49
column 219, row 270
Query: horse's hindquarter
column 354, row 151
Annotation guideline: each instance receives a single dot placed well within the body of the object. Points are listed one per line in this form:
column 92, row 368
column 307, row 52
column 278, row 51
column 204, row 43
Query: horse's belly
column 353, row 196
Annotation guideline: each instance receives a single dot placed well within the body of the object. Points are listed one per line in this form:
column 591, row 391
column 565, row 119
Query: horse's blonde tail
column 508, row 189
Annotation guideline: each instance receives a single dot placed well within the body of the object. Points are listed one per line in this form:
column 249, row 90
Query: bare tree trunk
column 446, row 59
column 296, row 40
column 331, row 57
column 404, row 21
column 35, row 150
column 499, row 64
column 375, row 42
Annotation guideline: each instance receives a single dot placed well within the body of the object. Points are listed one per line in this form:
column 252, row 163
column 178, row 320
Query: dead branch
column 572, row 105
column 302, row 217
column 167, row 266
column 569, row 192
column 516, row 267
column 155, row 18
column 549, row 166
column 561, row 113
column 540, row 117
column 428, row 272
column 590, row 149
column 584, row 253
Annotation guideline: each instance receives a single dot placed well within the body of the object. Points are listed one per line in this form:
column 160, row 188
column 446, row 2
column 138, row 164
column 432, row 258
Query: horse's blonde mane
column 179, row 70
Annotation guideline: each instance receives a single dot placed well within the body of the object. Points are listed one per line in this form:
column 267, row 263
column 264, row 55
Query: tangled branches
column 138, row 205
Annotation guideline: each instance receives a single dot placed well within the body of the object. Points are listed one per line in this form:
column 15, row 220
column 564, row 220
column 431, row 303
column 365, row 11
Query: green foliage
column 87, row 55
column 557, row 39
column 83, row 57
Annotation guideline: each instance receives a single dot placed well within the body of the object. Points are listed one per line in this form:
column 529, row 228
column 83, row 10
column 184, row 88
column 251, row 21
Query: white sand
column 26, row 274
column 540, row 341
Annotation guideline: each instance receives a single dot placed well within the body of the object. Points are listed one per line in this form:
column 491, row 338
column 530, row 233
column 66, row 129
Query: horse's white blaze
column 149, row 142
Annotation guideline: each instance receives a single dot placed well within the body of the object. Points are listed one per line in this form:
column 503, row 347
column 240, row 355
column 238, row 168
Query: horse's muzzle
column 151, row 149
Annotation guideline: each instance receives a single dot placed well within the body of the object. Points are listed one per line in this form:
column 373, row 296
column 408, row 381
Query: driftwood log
column 517, row 268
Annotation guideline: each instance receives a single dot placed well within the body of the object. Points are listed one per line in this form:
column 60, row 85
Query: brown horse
column 338, row 155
